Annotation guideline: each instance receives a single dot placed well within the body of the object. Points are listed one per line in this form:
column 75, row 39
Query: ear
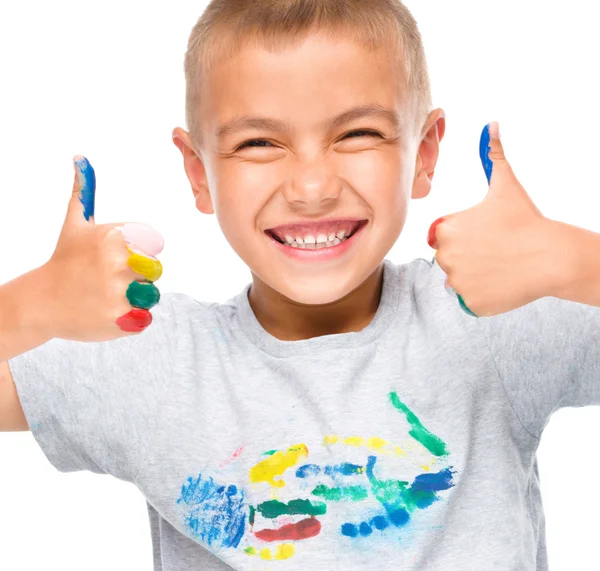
column 427, row 156
column 194, row 169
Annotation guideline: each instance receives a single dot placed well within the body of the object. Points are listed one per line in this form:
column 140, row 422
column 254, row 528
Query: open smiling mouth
column 316, row 236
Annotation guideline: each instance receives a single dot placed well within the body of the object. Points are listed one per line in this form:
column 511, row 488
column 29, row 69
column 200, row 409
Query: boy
column 340, row 412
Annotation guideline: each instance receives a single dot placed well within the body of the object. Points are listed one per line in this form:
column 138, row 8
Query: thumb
column 491, row 152
column 81, row 205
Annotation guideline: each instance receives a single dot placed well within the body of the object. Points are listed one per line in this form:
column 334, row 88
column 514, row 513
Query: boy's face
column 300, row 174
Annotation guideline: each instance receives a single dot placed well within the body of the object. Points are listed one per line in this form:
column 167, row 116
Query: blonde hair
column 226, row 24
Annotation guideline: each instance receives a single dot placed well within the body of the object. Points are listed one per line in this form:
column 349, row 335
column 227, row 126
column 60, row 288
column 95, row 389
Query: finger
column 147, row 266
column 484, row 153
column 135, row 320
column 143, row 295
column 84, row 188
column 491, row 153
column 497, row 168
column 464, row 306
column 489, row 131
column 496, row 150
column 431, row 237
column 143, row 237
column 449, row 288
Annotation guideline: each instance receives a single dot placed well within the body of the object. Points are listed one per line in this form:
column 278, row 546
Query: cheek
column 240, row 194
column 382, row 180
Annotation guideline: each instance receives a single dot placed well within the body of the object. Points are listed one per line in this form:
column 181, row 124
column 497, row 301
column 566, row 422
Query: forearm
column 575, row 252
column 23, row 319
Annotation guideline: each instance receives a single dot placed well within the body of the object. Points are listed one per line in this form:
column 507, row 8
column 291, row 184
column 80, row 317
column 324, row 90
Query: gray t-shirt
column 408, row 445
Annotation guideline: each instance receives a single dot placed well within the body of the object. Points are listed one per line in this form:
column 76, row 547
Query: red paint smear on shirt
column 302, row 530
column 235, row 455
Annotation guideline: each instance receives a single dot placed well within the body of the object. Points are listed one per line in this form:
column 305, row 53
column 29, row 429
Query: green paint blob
column 415, row 498
column 143, row 295
column 434, row 444
column 351, row 493
column 388, row 491
column 274, row 508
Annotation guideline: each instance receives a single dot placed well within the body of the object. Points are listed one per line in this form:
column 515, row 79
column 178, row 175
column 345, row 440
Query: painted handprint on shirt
column 305, row 497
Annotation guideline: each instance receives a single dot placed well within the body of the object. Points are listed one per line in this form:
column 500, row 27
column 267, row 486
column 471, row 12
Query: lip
column 322, row 254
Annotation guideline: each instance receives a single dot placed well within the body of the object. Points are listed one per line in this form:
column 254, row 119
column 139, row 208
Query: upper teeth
column 310, row 239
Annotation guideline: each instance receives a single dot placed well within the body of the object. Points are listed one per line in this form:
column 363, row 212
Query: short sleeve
column 95, row 405
column 547, row 355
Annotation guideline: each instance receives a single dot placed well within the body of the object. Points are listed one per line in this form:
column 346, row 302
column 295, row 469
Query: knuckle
column 496, row 155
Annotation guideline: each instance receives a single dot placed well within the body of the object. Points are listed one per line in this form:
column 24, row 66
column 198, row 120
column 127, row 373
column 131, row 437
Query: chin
column 316, row 290
column 316, row 297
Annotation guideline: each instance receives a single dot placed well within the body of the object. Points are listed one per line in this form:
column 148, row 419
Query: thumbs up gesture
column 495, row 254
column 100, row 277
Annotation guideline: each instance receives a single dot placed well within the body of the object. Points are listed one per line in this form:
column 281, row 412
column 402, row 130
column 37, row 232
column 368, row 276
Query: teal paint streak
column 434, row 444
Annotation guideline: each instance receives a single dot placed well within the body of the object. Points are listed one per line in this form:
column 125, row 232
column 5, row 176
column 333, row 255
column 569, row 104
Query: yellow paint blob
column 354, row 441
column 276, row 464
column 330, row 439
column 147, row 266
column 284, row 551
column 376, row 443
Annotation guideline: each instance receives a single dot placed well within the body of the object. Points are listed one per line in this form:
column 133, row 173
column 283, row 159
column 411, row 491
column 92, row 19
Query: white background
column 105, row 79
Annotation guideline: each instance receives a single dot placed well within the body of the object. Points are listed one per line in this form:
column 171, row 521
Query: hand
column 100, row 276
column 495, row 254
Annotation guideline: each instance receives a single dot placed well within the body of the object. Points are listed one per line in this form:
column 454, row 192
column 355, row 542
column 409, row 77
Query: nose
column 312, row 187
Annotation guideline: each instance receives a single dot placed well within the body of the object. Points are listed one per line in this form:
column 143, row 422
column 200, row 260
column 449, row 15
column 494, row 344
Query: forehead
column 304, row 83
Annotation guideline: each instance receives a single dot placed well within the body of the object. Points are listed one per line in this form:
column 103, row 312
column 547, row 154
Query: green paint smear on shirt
column 352, row 493
column 434, row 444
column 388, row 491
column 274, row 508
column 414, row 498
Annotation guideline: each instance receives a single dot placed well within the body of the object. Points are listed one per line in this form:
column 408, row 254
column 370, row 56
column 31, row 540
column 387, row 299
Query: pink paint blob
column 143, row 236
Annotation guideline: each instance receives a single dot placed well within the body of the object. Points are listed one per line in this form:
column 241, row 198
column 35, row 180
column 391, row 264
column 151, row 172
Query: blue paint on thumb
column 484, row 153
column 88, row 186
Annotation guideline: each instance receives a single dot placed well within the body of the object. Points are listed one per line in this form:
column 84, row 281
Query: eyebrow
column 366, row 110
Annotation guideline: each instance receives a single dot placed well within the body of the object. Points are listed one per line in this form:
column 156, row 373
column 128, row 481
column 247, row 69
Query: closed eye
column 360, row 132
column 372, row 133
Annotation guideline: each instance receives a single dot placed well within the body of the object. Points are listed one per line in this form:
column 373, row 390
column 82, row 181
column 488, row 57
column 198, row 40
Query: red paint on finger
column 431, row 239
column 135, row 320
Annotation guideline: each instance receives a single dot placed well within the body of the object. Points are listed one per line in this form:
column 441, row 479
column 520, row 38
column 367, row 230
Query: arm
column 21, row 329
column 502, row 253
column 577, row 252
column 80, row 294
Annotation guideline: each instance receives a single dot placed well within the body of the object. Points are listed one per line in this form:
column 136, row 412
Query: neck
column 288, row 320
